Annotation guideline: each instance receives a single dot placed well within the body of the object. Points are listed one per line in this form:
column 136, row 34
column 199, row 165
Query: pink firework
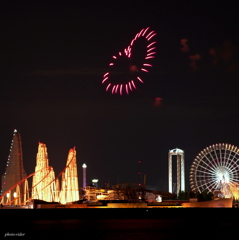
column 124, row 79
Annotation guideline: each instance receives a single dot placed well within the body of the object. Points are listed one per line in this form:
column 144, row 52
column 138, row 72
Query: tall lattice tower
column 180, row 169
column 14, row 170
column 43, row 182
column 69, row 188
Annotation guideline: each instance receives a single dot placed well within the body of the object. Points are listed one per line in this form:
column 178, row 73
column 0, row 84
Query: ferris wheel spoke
column 204, row 180
column 223, row 154
column 230, row 160
column 206, row 172
column 234, row 177
column 228, row 168
column 217, row 158
column 220, row 153
column 201, row 182
column 227, row 163
column 207, row 186
column 230, row 153
column 215, row 185
column 232, row 171
column 200, row 176
column 233, row 180
column 235, row 163
column 213, row 167
column 209, row 166
column 216, row 164
column 200, row 186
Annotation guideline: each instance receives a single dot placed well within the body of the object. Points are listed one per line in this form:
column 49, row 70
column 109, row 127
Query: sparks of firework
column 158, row 102
column 131, row 84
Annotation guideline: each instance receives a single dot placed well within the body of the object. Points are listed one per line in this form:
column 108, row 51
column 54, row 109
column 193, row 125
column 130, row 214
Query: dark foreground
column 114, row 224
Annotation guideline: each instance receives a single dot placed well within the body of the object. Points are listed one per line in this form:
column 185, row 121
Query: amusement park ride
column 215, row 170
column 45, row 186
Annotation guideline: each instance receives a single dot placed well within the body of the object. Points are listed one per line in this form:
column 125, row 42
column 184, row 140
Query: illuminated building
column 233, row 191
column 84, row 175
column 43, row 182
column 69, row 188
column 94, row 194
column 14, row 169
column 180, row 169
column 95, row 182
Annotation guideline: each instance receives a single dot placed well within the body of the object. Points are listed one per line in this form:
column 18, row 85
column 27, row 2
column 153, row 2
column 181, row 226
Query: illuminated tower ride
column 180, row 169
column 43, row 183
column 14, row 170
column 84, row 175
column 69, row 188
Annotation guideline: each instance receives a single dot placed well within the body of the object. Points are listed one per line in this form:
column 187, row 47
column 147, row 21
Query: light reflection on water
column 126, row 229
column 120, row 224
column 115, row 229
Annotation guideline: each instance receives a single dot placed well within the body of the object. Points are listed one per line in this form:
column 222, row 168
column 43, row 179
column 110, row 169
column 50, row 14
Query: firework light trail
column 128, row 67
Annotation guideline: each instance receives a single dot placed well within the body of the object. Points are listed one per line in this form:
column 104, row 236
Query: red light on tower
column 139, row 173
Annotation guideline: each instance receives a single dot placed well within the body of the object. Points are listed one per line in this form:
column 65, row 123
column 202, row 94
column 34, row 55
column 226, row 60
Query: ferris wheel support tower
column 180, row 170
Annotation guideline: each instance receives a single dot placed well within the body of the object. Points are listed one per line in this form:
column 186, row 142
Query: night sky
column 53, row 57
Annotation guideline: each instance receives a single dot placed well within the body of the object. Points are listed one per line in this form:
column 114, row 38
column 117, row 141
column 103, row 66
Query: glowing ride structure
column 14, row 167
column 69, row 188
column 45, row 186
column 180, row 170
column 134, row 64
column 216, row 168
column 84, row 166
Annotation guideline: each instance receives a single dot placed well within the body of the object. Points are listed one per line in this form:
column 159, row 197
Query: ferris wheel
column 215, row 166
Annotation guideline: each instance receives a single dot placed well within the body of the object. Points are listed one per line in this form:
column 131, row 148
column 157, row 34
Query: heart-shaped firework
column 129, row 66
